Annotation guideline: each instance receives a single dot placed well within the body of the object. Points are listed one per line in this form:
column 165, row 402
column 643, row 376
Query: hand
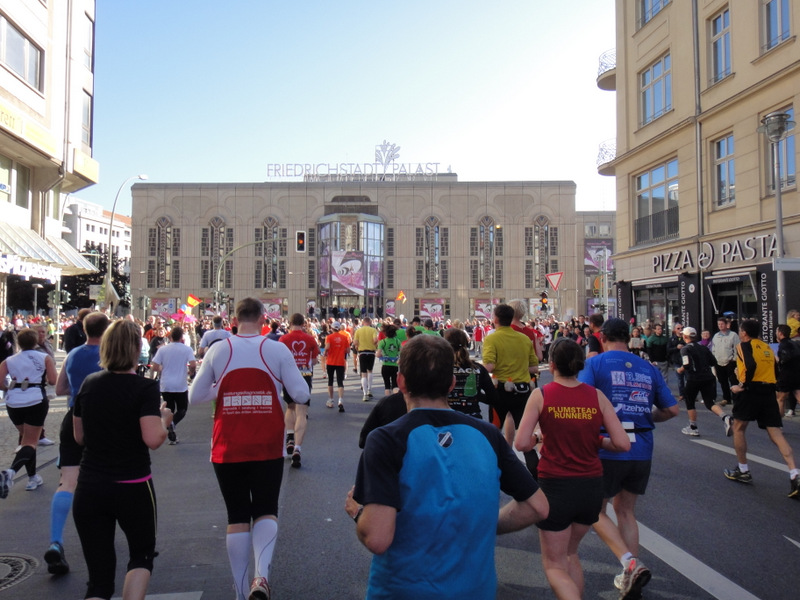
column 166, row 414
column 351, row 507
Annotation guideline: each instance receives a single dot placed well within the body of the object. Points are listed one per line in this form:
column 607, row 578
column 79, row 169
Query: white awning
column 25, row 244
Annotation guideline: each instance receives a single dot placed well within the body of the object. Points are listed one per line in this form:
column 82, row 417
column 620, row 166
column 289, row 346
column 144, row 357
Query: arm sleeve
column 489, row 392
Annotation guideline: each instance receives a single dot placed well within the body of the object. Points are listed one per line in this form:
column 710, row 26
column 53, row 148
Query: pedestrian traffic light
column 543, row 297
column 52, row 297
column 301, row 241
column 65, row 296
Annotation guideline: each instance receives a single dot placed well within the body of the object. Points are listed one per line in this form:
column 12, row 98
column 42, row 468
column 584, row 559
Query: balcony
column 607, row 72
column 605, row 156
column 657, row 227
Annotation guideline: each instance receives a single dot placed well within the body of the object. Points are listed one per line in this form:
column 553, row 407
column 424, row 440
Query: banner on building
column 483, row 308
column 689, row 300
column 432, row 308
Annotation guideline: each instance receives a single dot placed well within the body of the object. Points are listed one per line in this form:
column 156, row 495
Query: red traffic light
column 300, row 240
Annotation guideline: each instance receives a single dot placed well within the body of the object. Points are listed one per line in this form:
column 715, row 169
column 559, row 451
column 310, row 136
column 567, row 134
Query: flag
column 401, row 297
column 192, row 300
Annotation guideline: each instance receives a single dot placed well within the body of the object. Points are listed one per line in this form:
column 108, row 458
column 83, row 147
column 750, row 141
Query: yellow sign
column 30, row 131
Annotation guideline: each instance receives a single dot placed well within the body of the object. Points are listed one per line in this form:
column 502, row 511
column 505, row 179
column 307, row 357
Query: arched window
column 164, row 248
column 541, row 252
column 486, row 248
column 432, row 245
column 216, row 241
column 269, row 270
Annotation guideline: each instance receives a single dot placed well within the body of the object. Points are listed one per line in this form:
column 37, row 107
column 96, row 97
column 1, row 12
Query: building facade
column 86, row 224
column 46, row 89
column 696, row 196
column 435, row 247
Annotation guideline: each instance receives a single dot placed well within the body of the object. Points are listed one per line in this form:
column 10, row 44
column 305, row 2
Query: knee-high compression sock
column 364, row 387
column 59, row 512
column 369, row 382
column 265, row 532
column 30, row 466
column 22, row 457
column 238, row 545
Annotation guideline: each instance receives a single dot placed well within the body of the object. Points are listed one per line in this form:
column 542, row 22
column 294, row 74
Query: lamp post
column 111, row 231
column 776, row 126
column 36, row 288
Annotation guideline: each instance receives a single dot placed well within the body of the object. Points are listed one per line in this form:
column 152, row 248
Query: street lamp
column 36, row 287
column 109, row 286
column 776, row 126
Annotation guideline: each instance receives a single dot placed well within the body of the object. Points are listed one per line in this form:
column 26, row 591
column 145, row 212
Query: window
column 724, row 174
column 163, row 245
column 590, row 230
column 267, row 253
column 6, row 165
column 650, row 8
column 786, row 153
column 656, row 89
column 720, row 46
column 485, row 244
column 23, row 186
column 20, row 54
column 657, row 203
column 605, row 230
column 542, row 238
column 88, row 43
column 432, row 245
column 216, row 240
column 775, row 15
column 86, row 120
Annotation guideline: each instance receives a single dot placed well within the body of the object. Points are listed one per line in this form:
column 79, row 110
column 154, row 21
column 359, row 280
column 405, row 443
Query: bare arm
column 62, row 384
column 375, row 527
column 154, row 429
column 665, row 414
column 524, row 440
column 3, row 375
column 50, row 369
column 518, row 515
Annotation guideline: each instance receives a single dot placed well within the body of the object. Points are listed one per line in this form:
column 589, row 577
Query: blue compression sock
column 59, row 511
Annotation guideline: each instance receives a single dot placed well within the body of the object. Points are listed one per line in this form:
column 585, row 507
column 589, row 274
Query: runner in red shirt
column 305, row 350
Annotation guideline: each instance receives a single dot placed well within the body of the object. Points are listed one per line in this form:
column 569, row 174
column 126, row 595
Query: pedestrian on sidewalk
column 244, row 375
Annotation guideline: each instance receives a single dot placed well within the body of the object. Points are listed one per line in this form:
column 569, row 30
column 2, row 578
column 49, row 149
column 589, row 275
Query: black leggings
column 389, row 374
column 178, row 403
column 339, row 372
column 250, row 489
column 97, row 507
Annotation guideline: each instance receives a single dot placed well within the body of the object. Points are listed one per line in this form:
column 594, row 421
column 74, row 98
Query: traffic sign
column 554, row 279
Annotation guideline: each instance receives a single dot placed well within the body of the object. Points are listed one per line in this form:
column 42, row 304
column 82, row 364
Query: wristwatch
column 358, row 514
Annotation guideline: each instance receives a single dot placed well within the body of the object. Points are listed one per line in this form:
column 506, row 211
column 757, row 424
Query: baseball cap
column 615, row 328
column 336, row 325
column 690, row 331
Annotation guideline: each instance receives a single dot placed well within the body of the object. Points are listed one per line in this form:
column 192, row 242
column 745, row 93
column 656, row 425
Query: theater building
column 390, row 245
column 697, row 227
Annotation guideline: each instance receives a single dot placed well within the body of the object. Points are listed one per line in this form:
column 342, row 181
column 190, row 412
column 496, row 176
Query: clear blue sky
column 210, row 91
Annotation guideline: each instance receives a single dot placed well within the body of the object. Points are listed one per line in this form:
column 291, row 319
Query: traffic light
column 52, row 298
column 301, row 241
column 543, row 297
column 65, row 296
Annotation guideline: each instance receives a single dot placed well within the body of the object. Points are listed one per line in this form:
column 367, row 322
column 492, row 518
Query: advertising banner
column 595, row 252
column 273, row 307
column 432, row 309
column 689, row 299
column 484, row 308
column 347, row 272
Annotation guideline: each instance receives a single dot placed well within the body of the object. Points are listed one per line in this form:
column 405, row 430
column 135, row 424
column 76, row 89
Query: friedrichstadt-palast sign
column 717, row 254
column 385, row 168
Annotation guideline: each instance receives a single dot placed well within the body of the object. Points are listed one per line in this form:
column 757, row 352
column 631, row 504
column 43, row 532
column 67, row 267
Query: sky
column 209, row 91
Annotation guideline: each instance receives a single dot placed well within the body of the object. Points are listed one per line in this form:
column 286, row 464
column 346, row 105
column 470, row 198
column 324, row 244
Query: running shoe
column 171, row 435
column 329, row 404
column 634, row 578
column 6, row 482
column 366, row 398
column 341, row 407
column 794, row 492
column 46, row 442
column 34, row 482
column 737, row 475
column 689, row 430
column 370, row 394
column 296, row 460
column 728, row 425
column 55, row 559
column 789, row 414
column 259, row 589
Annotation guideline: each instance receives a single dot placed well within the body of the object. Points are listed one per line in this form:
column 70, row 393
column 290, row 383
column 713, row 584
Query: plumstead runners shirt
column 245, row 375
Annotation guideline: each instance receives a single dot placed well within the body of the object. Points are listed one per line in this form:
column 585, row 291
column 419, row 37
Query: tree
column 78, row 285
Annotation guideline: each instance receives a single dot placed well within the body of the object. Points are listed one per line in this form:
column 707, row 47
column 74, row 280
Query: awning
column 28, row 246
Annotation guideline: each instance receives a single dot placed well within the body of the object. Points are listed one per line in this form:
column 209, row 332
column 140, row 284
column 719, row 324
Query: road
column 703, row 536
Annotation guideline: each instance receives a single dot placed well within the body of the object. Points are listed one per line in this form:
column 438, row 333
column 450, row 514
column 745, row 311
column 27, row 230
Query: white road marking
column 178, row 596
column 791, row 540
column 750, row 457
column 687, row 565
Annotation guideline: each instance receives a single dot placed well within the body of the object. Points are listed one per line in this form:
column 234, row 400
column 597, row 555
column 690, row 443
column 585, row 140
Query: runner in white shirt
column 175, row 362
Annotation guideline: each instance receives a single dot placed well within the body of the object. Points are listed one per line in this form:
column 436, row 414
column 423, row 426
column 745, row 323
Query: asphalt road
column 702, row 535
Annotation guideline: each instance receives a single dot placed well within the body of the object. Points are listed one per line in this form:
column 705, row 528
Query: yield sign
column 554, row 279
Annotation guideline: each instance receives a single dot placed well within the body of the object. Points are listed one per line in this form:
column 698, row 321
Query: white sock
column 369, row 382
column 743, row 468
column 794, row 473
column 364, row 384
column 238, row 545
column 265, row 532
column 625, row 558
column 297, row 449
